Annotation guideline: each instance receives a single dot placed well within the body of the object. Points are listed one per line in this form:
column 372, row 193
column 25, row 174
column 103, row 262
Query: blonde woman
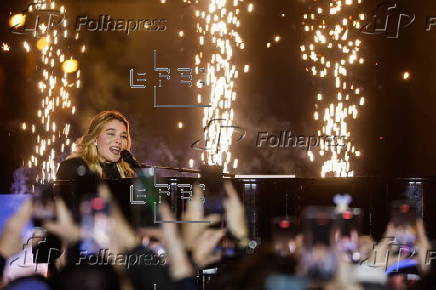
column 99, row 150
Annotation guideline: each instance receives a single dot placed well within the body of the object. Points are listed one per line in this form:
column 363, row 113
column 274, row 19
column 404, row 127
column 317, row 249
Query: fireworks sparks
column 250, row 7
column 331, row 52
column 55, row 84
column 217, row 28
column 5, row 47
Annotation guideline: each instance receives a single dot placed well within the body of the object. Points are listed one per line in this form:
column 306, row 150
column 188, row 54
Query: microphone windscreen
column 126, row 155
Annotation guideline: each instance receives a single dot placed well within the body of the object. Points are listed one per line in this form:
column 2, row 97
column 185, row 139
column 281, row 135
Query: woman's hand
column 235, row 215
column 10, row 238
column 123, row 236
column 64, row 226
column 204, row 253
column 180, row 267
column 195, row 212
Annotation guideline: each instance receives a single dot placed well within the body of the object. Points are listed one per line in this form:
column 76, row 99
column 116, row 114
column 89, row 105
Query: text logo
column 388, row 20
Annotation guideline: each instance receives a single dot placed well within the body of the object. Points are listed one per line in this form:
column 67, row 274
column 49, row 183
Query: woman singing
column 99, row 150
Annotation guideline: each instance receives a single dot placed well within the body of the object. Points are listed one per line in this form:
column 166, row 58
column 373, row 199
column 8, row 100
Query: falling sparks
column 5, row 47
column 331, row 52
column 250, row 7
column 26, row 46
column 55, row 84
column 217, row 28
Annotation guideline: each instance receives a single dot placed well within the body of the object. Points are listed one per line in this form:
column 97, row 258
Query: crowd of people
column 190, row 256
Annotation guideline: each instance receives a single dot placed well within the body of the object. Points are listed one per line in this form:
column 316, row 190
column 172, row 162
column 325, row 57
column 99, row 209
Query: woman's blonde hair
column 87, row 150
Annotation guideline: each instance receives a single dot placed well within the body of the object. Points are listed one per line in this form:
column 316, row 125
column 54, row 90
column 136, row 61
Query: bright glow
column 70, row 65
column 17, row 20
column 250, row 7
column 42, row 43
column 5, row 47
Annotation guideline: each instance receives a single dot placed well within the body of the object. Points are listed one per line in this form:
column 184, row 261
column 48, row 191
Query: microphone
column 128, row 157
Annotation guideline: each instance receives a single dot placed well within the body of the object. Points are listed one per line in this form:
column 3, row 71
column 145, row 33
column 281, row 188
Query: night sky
column 394, row 130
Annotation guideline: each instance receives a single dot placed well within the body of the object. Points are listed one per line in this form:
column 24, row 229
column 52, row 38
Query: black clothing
column 110, row 170
column 74, row 168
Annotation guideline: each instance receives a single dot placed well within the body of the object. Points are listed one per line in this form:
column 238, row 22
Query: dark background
column 394, row 130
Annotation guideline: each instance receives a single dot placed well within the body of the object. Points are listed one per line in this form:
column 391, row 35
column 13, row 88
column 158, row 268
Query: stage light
column 180, row 125
column 404, row 208
column 347, row 215
column 17, row 20
column 406, row 75
column 70, row 65
column 98, row 203
column 181, row 33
